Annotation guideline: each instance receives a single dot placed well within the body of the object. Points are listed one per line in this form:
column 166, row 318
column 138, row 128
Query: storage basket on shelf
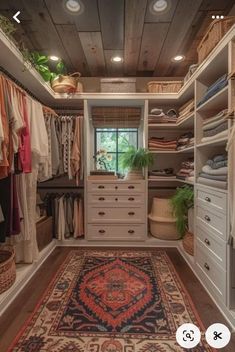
column 67, row 84
column 214, row 34
column 118, row 85
column 164, row 86
column 7, row 267
column 161, row 219
column 188, row 243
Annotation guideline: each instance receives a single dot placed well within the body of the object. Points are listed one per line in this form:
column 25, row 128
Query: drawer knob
column 131, row 213
column 207, row 242
column 131, row 231
column 206, row 266
column 101, row 231
column 101, row 187
column 101, row 213
column 207, row 218
column 131, row 199
column 116, row 199
column 116, row 187
column 131, row 187
column 208, row 199
column 101, row 198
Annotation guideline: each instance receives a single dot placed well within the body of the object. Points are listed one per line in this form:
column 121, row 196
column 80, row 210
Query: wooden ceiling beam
column 152, row 41
column 112, row 24
column 134, row 22
column 93, row 49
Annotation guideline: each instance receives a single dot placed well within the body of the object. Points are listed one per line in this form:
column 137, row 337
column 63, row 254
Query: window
column 115, row 141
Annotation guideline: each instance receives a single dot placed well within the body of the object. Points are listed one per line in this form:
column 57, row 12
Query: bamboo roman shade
column 116, row 117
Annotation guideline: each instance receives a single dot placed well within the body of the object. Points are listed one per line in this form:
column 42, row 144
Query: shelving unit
column 219, row 61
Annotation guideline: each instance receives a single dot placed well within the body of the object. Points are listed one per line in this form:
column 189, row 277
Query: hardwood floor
column 20, row 310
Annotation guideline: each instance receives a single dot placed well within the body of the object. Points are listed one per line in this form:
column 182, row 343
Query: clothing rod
column 14, row 80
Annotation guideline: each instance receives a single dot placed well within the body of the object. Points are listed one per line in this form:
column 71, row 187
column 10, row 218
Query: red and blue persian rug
column 110, row 301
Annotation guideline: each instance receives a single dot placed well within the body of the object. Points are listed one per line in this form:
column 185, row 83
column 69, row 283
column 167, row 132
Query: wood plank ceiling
column 146, row 41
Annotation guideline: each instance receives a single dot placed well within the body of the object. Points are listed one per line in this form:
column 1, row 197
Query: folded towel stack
column 186, row 110
column 214, row 88
column 215, row 127
column 215, row 172
column 162, row 174
column 158, row 116
column 156, row 143
column 186, row 171
column 186, row 140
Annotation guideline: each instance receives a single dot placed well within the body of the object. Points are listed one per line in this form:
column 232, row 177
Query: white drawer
column 116, row 215
column 215, row 221
column 212, row 243
column 212, row 199
column 212, row 271
column 116, row 187
column 116, row 232
column 116, row 200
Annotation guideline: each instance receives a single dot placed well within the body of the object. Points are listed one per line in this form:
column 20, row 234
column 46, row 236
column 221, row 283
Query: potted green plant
column 182, row 201
column 135, row 160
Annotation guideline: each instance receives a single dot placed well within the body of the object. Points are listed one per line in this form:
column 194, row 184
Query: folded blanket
column 221, row 171
column 217, row 117
column 213, row 177
column 190, row 178
column 214, row 124
column 214, row 131
column 218, row 164
column 216, row 136
column 219, row 157
column 212, row 183
column 214, row 88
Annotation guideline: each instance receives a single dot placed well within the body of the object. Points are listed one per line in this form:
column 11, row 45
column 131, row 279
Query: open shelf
column 186, row 150
column 188, row 123
column 214, row 143
column 217, row 101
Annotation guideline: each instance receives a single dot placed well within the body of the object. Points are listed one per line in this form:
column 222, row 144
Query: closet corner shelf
column 186, row 150
column 185, row 124
column 219, row 100
column 213, row 143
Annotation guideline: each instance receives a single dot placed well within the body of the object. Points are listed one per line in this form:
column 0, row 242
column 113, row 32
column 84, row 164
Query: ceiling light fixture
column 73, row 6
column 116, row 59
column 54, row 58
column 178, row 58
column 159, row 6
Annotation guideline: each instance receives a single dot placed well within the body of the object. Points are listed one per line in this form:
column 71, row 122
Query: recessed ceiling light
column 116, row 59
column 74, row 6
column 54, row 58
column 178, row 58
column 159, row 6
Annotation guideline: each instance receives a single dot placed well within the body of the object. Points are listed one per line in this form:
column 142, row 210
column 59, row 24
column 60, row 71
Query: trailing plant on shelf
column 7, row 27
column 182, row 201
column 135, row 160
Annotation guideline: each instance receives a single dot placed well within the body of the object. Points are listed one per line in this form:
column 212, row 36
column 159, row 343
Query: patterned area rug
column 110, row 301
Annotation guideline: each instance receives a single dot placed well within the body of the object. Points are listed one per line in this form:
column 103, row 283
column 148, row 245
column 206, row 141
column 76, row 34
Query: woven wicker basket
column 188, row 243
column 164, row 86
column 214, row 34
column 66, row 84
column 7, row 267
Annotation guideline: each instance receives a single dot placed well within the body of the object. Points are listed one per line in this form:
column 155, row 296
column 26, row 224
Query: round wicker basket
column 7, row 267
column 188, row 243
column 66, row 84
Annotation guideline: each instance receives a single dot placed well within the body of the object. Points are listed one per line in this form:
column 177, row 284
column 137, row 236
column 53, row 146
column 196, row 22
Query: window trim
column 117, row 131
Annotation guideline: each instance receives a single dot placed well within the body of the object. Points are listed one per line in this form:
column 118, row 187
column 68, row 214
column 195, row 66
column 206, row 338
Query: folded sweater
column 221, row 171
